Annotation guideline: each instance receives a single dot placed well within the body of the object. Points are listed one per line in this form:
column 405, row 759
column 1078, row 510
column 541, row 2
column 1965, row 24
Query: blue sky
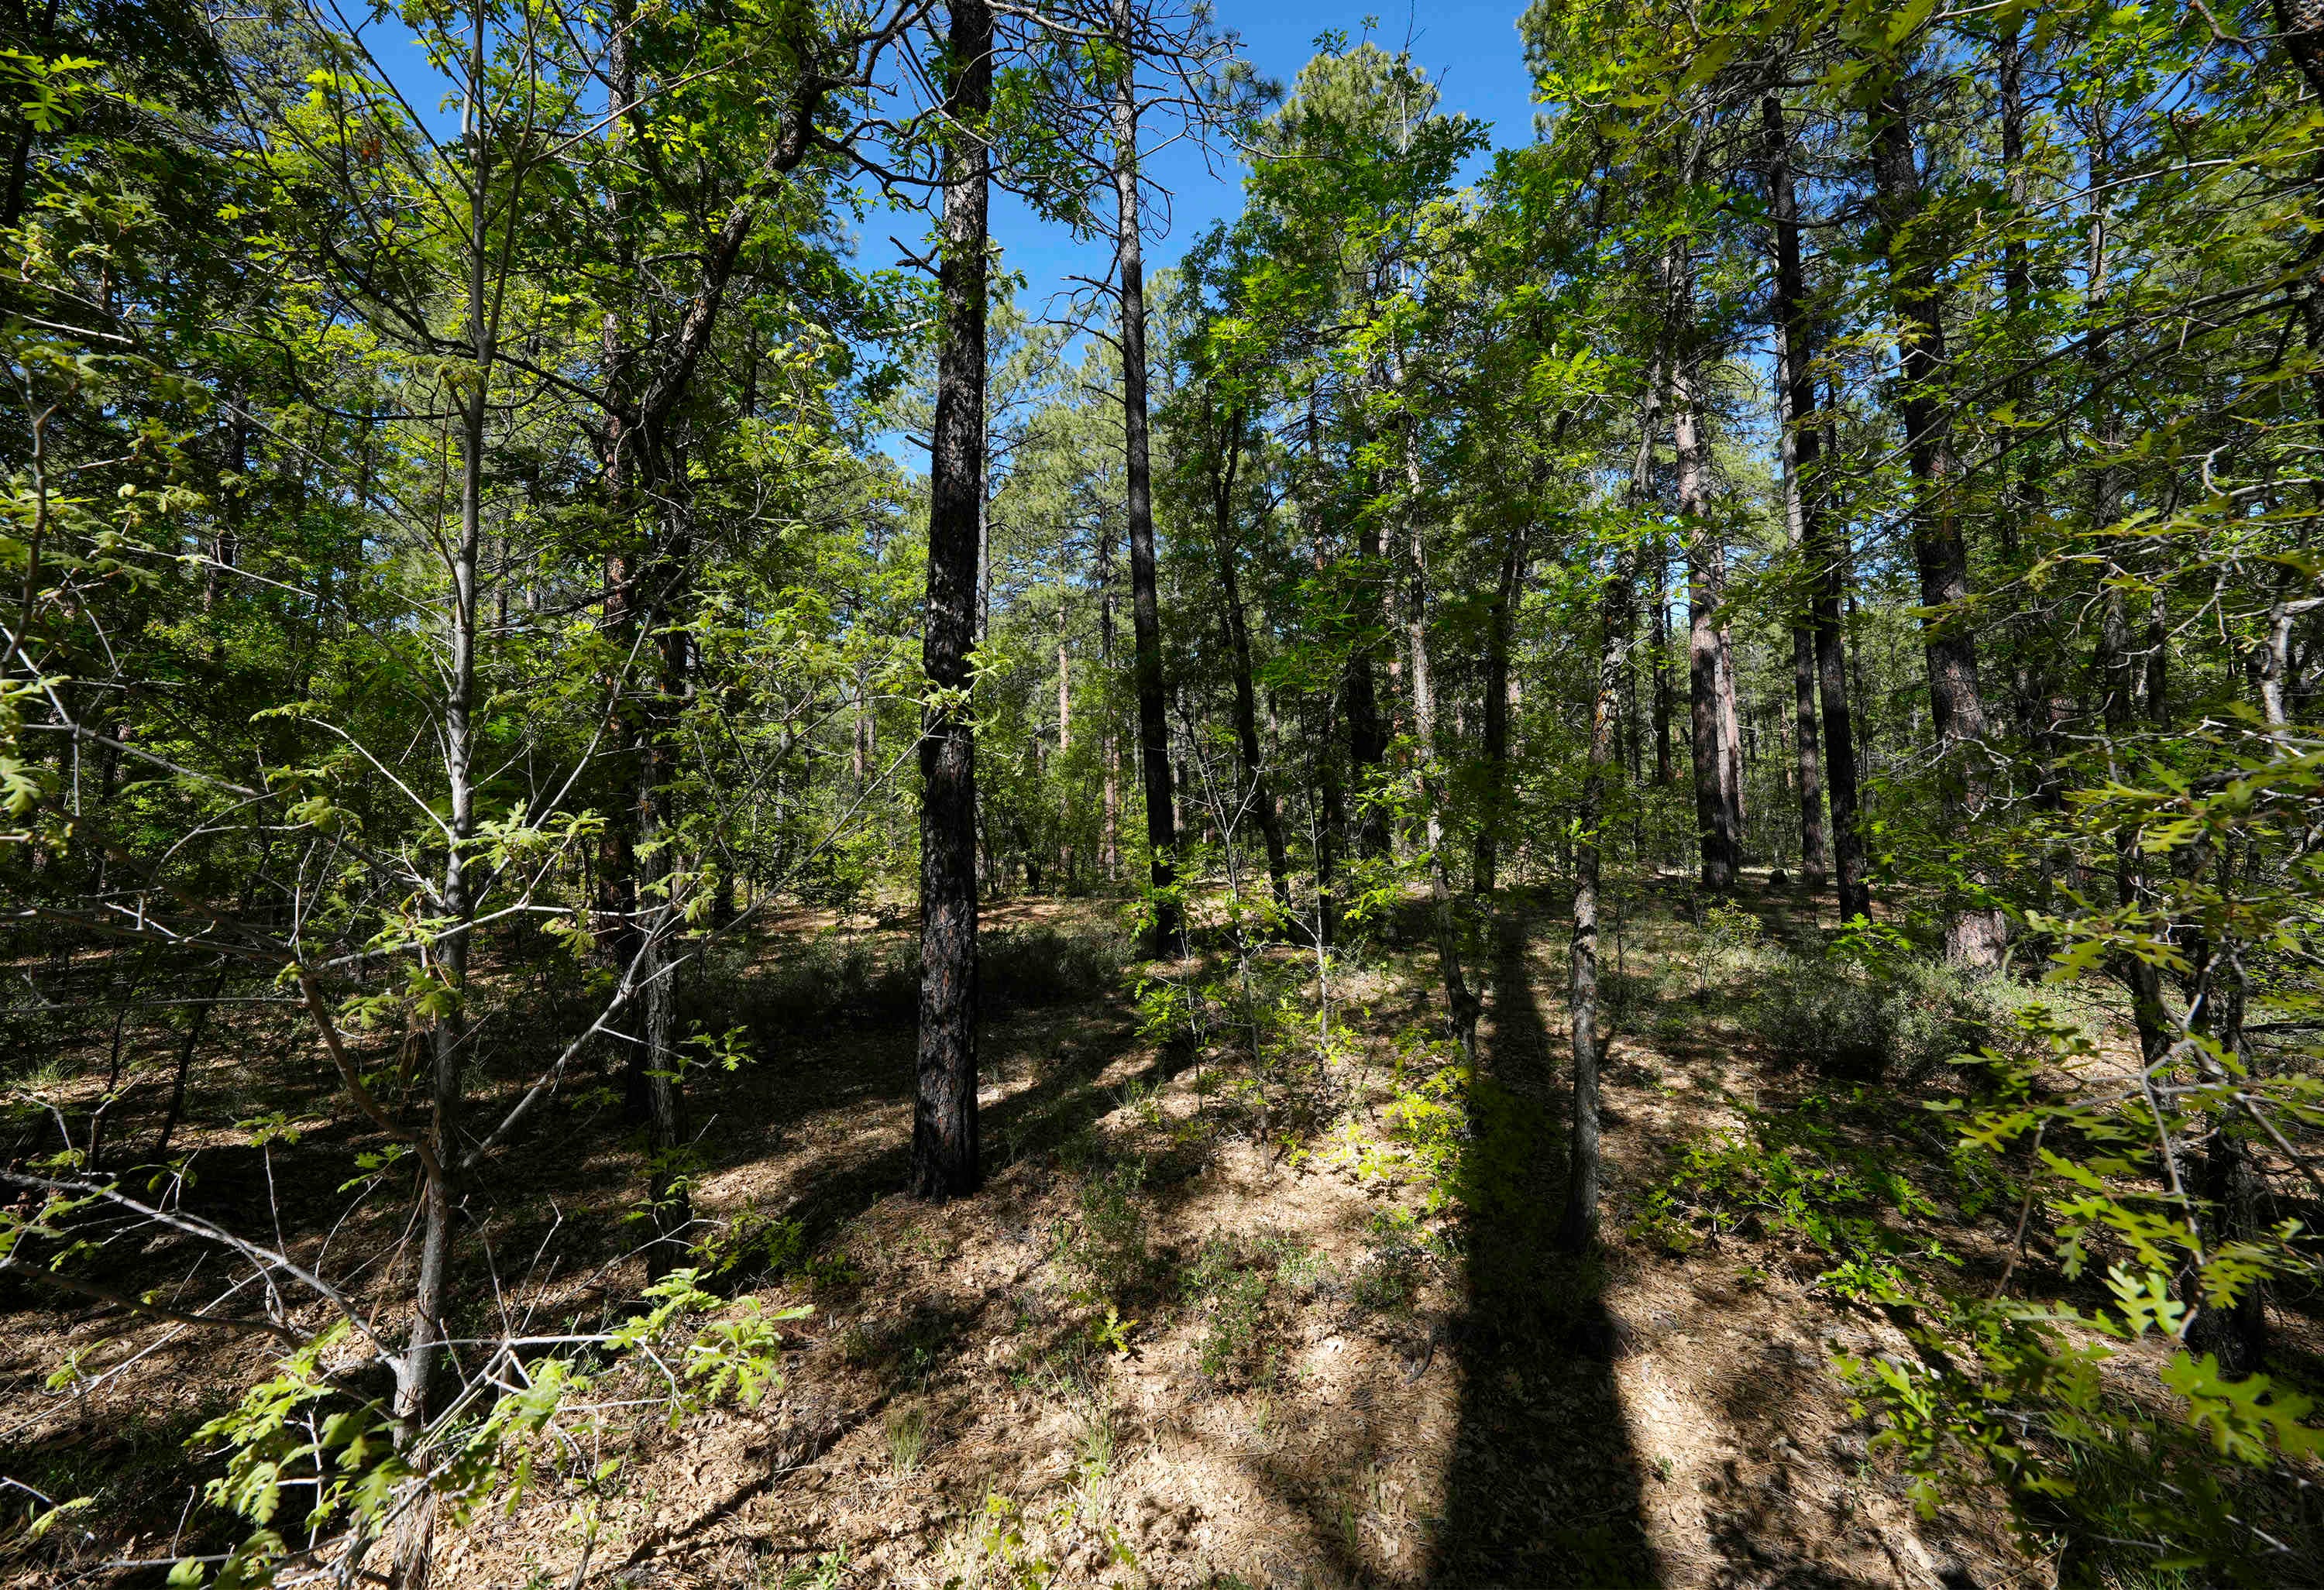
column 1469, row 46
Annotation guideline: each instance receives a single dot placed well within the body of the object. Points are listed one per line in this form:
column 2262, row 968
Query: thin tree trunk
column 415, row 1540
column 1577, row 1231
column 616, row 902
column 1795, row 418
column 1706, row 569
column 668, row 1201
column 1461, row 1001
column 1974, row 931
column 1246, row 698
column 1506, row 595
column 187, row 1047
column 944, row 1149
column 1109, row 746
column 1664, row 693
column 1146, row 615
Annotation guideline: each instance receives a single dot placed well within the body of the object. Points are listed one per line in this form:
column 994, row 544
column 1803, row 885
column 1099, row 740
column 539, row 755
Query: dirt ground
column 1203, row 1328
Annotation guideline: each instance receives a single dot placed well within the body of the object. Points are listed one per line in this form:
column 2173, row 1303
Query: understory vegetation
column 1586, row 853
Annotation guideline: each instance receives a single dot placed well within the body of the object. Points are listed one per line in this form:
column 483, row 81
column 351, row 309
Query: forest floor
column 1210, row 1323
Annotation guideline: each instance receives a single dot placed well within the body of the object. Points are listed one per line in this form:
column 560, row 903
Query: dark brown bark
column 1146, row 615
column 1246, row 697
column 1800, row 447
column 196, row 1024
column 1974, row 931
column 1367, row 733
column 1664, row 693
column 944, row 1149
column 1707, row 677
column 2301, row 25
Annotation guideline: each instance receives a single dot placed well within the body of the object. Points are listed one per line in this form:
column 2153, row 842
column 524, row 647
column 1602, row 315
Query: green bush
column 834, row 977
column 1047, row 965
column 1907, row 1016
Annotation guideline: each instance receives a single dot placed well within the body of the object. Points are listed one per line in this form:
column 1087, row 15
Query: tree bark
column 1246, row 697
column 1153, row 718
column 1507, row 594
column 944, row 1149
column 415, row 1540
column 1974, row 930
column 1801, row 445
column 1707, row 682
column 668, row 1201
column 1577, row 1231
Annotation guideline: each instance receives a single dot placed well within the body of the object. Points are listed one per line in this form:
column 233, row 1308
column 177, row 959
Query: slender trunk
column 1506, row 595
column 1109, row 752
column 1367, row 737
column 1708, row 700
column 1731, row 721
column 1664, row 693
column 1795, row 420
column 944, row 1150
column 1246, row 698
column 226, row 550
column 616, row 902
column 1331, row 825
column 415, row 1540
column 1974, row 930
column 187, row 1048
column 1461, row 1001
column 669, row 1204
column 1145, row 616
column 1577, row 1231
column 1064, row 744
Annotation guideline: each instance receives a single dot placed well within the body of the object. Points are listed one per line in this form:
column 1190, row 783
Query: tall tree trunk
column 1331, row 827
column 1506, row 595
column 1146, row 615
column 616, row 902
column 1974, row 931
column 1800, row 444
column 1577, row 1231
column 1367, row 735
column 1664, row 693
column 1246, row 697
column 415, row 1540
column 1707, row 695
column 1109, row 750
column 1461, row 1001
column 944, row 1155
column 669, row 1205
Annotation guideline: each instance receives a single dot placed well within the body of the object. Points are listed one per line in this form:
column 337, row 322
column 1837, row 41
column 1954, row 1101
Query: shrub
column 1105, row 1248
column 1230, row 1286
column 1910, row 1015
column 1045, row 965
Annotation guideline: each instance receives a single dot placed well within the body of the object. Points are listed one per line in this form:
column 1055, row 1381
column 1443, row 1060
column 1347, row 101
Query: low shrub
column 1907, row 1016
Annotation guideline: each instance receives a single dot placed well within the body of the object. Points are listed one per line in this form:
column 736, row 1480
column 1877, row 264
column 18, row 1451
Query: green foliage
column 1907, row 1016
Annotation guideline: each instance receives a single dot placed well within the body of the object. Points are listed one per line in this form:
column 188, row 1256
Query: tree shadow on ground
column 1068, row 1091
column 1544, row 1487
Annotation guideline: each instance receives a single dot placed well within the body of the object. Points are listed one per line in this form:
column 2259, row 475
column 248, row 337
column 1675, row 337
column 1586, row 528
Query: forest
column 1580, row 852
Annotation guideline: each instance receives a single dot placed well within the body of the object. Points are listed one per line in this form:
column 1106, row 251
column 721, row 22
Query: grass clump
column 907, row 1433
